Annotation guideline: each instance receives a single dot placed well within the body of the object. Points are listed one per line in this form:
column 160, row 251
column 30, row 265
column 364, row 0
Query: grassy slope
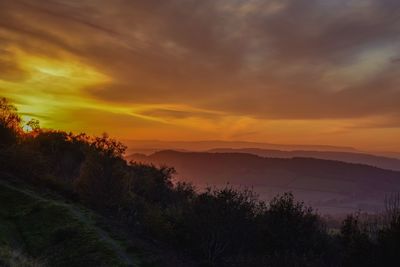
column 14, row 258
column 54, row 232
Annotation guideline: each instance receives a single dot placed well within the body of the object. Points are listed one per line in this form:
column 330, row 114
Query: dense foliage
column 216, row 227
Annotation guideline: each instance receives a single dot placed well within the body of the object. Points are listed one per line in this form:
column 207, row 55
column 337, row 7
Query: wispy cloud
column 261, row 61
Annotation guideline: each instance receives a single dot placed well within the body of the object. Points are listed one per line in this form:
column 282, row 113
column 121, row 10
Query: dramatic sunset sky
column 284, row 71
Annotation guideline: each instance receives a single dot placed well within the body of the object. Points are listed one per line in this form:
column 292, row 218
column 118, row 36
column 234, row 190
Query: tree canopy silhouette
column 214, row 227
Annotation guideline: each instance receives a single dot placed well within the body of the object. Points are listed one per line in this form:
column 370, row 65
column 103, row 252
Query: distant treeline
column 217, row 227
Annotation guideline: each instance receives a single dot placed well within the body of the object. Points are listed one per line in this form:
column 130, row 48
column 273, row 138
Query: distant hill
column 350, row 157
column 151, row 146
column 331, row 186
column 388, row 154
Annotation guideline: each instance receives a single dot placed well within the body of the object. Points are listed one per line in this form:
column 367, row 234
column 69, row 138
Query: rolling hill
column 350, row 157
column 330, row 186
column 151, row 146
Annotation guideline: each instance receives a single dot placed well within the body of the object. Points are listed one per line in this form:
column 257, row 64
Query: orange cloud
column 292, row 71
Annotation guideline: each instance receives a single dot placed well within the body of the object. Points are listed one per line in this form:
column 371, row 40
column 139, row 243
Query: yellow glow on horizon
column 54, row 91
column 52, row 88
column 49, row 85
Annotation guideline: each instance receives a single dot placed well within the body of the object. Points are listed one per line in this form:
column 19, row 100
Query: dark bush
column 216, row 227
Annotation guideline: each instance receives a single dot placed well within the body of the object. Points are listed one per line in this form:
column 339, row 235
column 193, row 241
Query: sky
column 276, row 71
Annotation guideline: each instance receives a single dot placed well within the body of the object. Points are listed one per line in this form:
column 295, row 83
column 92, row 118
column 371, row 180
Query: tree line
column 214, row 227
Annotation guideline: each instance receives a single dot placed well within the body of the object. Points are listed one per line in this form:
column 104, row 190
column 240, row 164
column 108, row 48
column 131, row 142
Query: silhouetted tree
column 389, row 236
column 63, row 152
column 358, row 248
column 9, row 123
column 219, row 224
column 292, row 234
column 153, row 184
column 217, row 227
column 102, row 182
column 107, row 146
column 33, row 125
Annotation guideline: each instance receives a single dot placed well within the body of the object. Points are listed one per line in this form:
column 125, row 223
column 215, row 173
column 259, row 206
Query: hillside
column 331, row 186
column 350, row 157
column 53, row 232
column 74, row 200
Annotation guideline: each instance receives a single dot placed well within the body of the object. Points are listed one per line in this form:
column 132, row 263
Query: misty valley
column 199, row 133
column 78, row 200
column 331, row 186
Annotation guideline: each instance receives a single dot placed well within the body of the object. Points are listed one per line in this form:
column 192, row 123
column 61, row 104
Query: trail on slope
column 82, row 217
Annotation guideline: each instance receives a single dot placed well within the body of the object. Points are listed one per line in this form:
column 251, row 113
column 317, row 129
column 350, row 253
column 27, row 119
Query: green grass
column 51, row 231
column 14, row 258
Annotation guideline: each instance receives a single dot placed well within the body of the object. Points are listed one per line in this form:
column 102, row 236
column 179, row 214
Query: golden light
column 54, row 88
column 49, row 85
column 25, row 125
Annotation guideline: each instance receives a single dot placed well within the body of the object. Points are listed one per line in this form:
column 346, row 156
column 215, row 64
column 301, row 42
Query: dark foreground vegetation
column 51, row 182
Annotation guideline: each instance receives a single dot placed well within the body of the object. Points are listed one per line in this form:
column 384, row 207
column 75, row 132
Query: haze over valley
column 331, row 186
column 199, row 133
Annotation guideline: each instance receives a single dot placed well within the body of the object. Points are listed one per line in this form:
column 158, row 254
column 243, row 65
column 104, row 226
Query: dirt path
column 103, row 235
column 81, row 216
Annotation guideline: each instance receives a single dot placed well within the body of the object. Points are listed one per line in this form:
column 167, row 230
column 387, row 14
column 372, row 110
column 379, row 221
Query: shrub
column 103, row 182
